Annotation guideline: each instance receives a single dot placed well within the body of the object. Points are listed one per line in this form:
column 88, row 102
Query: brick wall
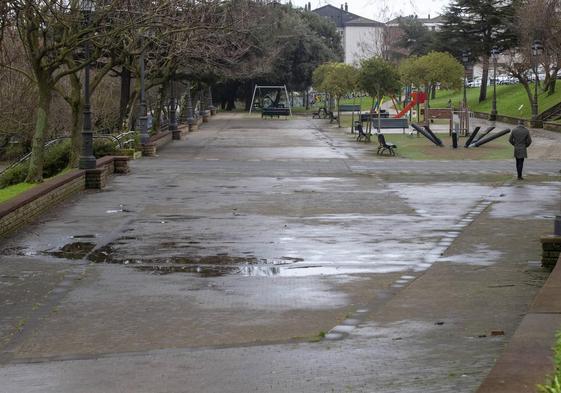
column 24, row 208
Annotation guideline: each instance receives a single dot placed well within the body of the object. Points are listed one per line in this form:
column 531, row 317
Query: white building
column 361, row 37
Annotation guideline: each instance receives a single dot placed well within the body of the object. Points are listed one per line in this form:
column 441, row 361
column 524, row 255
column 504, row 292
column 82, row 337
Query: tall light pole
column 87, row 159
column 494, row 56
column 176, row 135
column 465, row 60
column 537, row 50
column 143, row 111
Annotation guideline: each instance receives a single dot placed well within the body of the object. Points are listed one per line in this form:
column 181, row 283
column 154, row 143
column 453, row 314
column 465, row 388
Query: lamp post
column 494, row 56
column 465, row 59
column 87, row 159
column 537, row 50
column 176, row 135
column 143, row 111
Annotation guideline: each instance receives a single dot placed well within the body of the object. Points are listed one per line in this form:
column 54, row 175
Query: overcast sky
column 383, row 10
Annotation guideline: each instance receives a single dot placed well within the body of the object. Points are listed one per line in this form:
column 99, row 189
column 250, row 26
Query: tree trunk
column 433, row 91
column 248, row 94
column 338, row 112
column 76, row 106
column 307, row 98
column 379, row 113
column 484, row 79
column 530, row 95
column 159, row 108
column 426, row 119
column 35, row 173
column 125, row 93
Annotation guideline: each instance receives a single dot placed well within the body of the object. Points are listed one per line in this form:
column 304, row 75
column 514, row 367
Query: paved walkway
column 274, row 256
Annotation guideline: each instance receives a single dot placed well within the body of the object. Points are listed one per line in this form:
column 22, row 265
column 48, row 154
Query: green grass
column 509, row 100
column 420, row 148
column 553, row 384
column 13, row 191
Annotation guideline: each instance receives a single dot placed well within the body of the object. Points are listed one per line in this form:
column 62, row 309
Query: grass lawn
column 420, row 148
column 12, row 191
column 509, row 100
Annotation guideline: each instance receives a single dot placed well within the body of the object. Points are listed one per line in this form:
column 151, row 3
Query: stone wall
column 24, row 208
column 551, row 249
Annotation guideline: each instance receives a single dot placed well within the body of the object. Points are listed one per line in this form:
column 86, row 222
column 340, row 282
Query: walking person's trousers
column 519, row 166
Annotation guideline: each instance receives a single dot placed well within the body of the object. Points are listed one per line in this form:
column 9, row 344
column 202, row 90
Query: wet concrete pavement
column 276, row 256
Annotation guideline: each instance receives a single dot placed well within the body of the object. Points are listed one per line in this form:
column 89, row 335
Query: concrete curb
column 528, row 357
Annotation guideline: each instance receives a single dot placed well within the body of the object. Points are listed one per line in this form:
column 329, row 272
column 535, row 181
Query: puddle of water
column 76, row 250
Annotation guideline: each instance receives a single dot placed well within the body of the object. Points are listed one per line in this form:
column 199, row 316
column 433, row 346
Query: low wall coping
column 38, row 191
column 159, row 136
column 44, row 188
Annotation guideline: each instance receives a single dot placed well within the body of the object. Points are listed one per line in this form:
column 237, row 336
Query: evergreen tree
column 478, row 26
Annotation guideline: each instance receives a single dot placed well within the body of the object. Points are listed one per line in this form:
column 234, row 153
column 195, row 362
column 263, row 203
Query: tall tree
column 478, row 25
column 378, row 77
column 415, row 37
column 337, row 79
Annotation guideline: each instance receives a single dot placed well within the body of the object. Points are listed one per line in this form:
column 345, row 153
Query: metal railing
column 122, row 141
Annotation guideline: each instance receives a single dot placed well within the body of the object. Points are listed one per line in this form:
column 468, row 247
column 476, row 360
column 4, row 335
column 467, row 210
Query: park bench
column 385, row 146
column 391, row 122
column 321, row 113
column 349, row 108
column 361, row 134
column 364, row 117
column 275, row 111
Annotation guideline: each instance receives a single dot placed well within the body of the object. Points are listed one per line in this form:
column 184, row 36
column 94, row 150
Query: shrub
column 104, row 147
column 13, row 175
column 57, row 158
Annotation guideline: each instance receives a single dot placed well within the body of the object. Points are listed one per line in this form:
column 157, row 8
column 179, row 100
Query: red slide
column 416, row 98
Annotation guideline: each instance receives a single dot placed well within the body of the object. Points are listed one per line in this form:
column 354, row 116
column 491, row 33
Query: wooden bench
column 349, row 108
column 272, row 112
column 385, row 146
column 391, row 122
column 364, row 117
column 361, row 134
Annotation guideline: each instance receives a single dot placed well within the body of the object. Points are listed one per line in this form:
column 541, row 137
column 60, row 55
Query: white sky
column 383, row 10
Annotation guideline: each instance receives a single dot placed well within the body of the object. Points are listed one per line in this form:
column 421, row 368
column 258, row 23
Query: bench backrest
column 275, row 111
column 382, row 140
column 349, row 108
column 391, row 122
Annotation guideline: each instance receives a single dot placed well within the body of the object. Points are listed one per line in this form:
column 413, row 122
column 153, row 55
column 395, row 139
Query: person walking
column 520, row 139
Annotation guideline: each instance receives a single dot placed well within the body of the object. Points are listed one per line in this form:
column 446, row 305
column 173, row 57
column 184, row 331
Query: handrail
column 116, row 139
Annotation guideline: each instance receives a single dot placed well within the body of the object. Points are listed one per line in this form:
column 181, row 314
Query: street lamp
column 494, row 55
column 465, row 60
column 176, row 135
column 87, row 159
column 143, row 110
column 537, row 50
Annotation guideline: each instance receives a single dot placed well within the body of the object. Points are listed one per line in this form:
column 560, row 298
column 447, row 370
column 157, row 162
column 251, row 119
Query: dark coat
column 520, row 139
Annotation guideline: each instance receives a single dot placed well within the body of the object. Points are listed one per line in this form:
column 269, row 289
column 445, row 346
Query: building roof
column 436, row 20
column 343, row 18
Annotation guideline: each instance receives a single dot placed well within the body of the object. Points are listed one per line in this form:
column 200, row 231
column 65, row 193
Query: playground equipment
column 434, row 137
column 472, row 136
column 274, row 104
column 426, row 134
column 489, row 138
column 417, row 97
column 483, row 134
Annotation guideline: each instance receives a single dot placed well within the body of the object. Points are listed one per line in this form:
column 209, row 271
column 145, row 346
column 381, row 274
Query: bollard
column 557, row 226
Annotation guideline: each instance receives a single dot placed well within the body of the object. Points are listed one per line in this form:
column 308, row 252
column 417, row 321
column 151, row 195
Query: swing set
column 268, row 105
